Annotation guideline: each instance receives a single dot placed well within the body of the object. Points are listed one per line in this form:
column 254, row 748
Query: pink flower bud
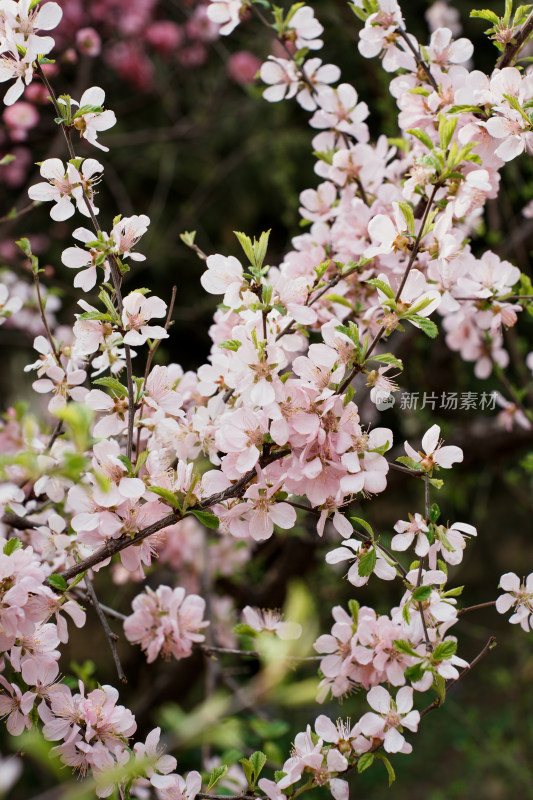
column 88, row 42
column 165, row 35
column 242, row 67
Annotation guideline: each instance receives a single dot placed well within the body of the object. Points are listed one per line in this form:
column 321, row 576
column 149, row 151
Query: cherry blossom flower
column 166, row 621
column 62, row 384
column 16, row 706
column 281, row 77
column 91, row 123
column 162, row 763
column 518, row 595
column 13, row 67
column 226, row 13
column 306, row 28
column 65, row 185
column 138, row 310
column 29, row 20
column 174, row 787
column 434, row 454
column 272, row 622
column 392, row 715
column 8, row 305
column 224, row 276
column 354, row 550
column 126, row 234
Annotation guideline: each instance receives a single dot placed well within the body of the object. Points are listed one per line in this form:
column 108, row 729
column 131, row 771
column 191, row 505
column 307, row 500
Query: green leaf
column 111, row 383
column 425, row 325
column 404, row 647
column 465, row 109
column 127, row 463
column 57, row 582
column 444, row 650
column 242, row 629
column 422, row 136
column 246, row 244
column 337, row 298
column 422, row 593
column 436, row 482
column 365, row 761
column 7, row 159
column 141, row 461
column 439, row 684
column 484, row 13
column 409, row 462
column 447, row 127
column 230, row 344
column 216, row 774
column 77, row 579
column 260, row 248
column 367, row 563
column 388, row 358
column 248, row 771
column 409, row 217
column 382, row 286
column 388, row 767
column 96, row 315
column 188, row 237
column 206, row 518
column 258, row 761
column 353, row 607
column 364, row 524
column 12, row 545
column 434, row 513
column 414, row 673
column 166, row 494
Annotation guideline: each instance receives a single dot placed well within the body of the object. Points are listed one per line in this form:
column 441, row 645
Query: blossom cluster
column 144, row 464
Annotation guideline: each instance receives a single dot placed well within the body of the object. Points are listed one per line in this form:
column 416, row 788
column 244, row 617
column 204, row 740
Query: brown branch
column 113, row 546
column 418, row 58
column 513, row 47
column 358, row 367
column 474, row 608
column 436, row 703
column 111, row 637
column 13, row 215
column 112, row 263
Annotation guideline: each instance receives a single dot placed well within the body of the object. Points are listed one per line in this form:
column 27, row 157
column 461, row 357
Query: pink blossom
column 271, row 621
column 226, row 13
column 392, row 715
column 166, row 621
column 91, row 123
column 242, row 67
column 138, row 310
column 518, row 595
column 434, row 454
column 88, row 42
column 65, row 185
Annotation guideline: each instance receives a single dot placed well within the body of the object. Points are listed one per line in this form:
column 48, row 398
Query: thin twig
column 513, row 47
column 112, row 638
column 358, row 368
column 474, row 608
column 436, row 703
column 231, row 651
column 13, row 215
column 45, row 321
column 418, row 58
column 113, row 546
column 112, row 263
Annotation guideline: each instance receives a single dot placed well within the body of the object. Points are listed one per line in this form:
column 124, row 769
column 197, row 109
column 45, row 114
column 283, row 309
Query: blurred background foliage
column 195, row 149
